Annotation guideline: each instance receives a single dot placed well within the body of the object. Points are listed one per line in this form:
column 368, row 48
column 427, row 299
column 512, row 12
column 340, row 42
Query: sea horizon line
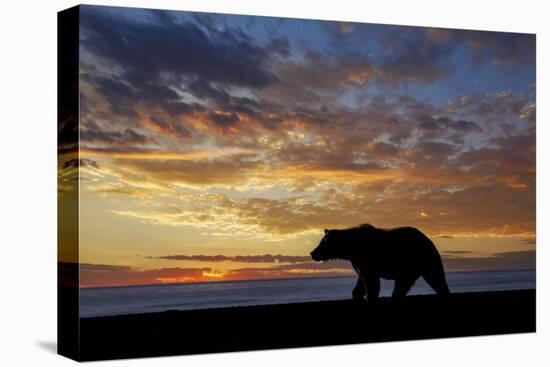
column 351, row 275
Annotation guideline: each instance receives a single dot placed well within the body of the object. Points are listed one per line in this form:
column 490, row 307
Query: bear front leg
column 359, row 291
column 402, row 287
column 373, row 287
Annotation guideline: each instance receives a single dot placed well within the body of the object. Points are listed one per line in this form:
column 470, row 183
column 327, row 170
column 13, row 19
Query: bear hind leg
column 437, row 282
column 359, row 291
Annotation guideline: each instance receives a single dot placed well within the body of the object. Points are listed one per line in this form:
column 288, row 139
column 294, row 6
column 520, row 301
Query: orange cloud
column 147, row 155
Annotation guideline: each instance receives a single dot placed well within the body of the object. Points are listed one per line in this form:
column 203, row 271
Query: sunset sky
column 217, row 147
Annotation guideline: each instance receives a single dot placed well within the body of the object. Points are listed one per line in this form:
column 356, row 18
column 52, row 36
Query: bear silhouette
column 401, row 254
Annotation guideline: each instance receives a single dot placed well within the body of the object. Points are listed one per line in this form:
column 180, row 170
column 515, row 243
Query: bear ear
column 326, row 231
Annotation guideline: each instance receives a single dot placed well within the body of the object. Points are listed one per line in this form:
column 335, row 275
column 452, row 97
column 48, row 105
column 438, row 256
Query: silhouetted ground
column 307, row 324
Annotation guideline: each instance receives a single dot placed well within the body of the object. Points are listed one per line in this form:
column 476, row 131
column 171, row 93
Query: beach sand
column 306, row 324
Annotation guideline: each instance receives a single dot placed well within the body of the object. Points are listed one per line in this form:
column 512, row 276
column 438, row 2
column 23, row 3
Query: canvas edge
column 68, row 333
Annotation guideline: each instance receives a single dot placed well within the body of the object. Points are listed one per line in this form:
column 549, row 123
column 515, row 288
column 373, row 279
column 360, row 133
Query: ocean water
column 155, row 298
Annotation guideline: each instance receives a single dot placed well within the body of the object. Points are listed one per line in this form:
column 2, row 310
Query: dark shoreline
column 306, row 325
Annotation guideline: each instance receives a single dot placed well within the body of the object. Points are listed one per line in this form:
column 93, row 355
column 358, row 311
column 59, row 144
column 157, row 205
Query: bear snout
column 314, row 256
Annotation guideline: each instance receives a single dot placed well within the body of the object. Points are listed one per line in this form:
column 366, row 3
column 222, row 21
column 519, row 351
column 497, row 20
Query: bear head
column 332, row 246
column 341, row 243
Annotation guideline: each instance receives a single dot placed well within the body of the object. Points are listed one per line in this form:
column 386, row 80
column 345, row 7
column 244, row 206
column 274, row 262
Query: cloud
column 488, row 191
column 408, row 55
column 125, row 153
column 501, row 261
column 290, row 135
column 82, row 162
column 455, row 252
column 119, row 189
column 296, row 271
column 267, row 258
column 162, row 45
column 373, row 177
column 317, row 77
column 494, row 107
column 98, row 275
column 234, row 84
column 457, row 203
column 92, row 133
column 168, row 125
column 397, row 55
column 434, row 149
column 508, row 159
column 161, row 71
column 497, row 48
column 192, row 98
column 222, row 170
column 440, row 124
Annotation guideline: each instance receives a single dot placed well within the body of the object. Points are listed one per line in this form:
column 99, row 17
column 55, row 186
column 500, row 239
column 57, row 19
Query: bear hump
column 366, row 226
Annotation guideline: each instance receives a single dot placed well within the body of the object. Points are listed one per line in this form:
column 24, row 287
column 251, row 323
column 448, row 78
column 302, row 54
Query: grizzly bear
column 402, row 254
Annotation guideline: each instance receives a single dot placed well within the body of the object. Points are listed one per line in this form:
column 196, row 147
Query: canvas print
column 236, row 182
